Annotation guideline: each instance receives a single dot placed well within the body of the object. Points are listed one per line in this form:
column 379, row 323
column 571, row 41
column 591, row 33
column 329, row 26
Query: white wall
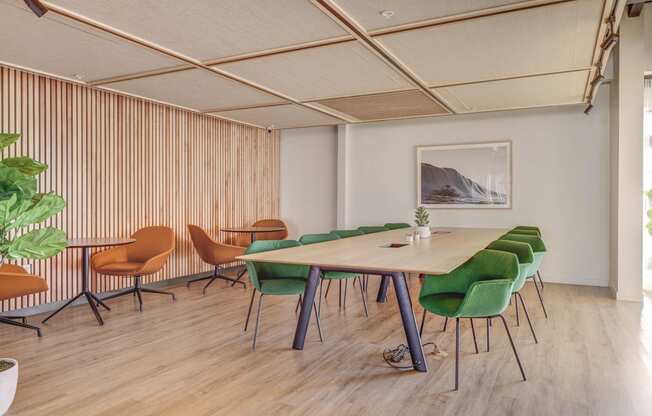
column 560, row 179
column 309, row 180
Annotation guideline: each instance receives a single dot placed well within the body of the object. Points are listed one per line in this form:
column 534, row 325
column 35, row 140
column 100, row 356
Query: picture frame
column 466, row 175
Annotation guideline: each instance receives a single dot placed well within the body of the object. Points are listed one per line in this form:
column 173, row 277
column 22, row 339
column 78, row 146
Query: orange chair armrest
column 112, row 255
column 155, row 264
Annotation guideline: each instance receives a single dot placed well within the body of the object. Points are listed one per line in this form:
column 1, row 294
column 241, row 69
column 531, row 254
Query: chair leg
column 9, row 321
column 364, row 301
column 457, row 353
column 527, row 316
column 518, row 322
column 260, row 302
column 488, row 332
column 251, row 304
column 140, row 299
column 509, row 335
column 328, row 288
column 22, row 318
column 314, row 307
column 445, row 324
column 298, row 304
column 423, row 321
column 475, row 342
column 160, row 292
column 63, row 307
column 541, row 299
column 242, row 273
column 339, row 304
column 540, row 279
column 346, row 285
column 321, row 285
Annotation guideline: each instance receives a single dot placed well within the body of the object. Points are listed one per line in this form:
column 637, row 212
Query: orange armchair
column 215, row 254
column 16, row 282
column 147, row 255
column 244, row 240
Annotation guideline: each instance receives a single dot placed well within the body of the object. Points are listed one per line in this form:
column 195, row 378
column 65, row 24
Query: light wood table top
column 252, row 229
column 445, row 250
column 98, row 242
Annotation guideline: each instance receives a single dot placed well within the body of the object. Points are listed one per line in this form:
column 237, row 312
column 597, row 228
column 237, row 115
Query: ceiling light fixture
column 387, row 14
column 37, row 7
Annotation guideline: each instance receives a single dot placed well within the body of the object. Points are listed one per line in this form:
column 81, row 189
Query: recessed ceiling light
column 387, row 14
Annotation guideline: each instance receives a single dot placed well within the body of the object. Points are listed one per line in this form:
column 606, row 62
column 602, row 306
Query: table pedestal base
column 92, row 302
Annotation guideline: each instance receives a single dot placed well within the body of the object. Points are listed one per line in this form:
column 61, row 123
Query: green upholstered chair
column 479, row 288
column 370, row 229
column 397, row 225
column 525, row 259
column 330, row 276
column 539, row 249
column 275, row 279
column 528, row 228
column 525, row 232
column 347, row 233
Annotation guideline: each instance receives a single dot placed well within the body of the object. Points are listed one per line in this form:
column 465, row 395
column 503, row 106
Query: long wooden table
column 445, row 250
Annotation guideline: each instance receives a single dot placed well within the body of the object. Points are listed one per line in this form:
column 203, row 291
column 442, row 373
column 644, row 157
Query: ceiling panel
column 207, row 29
column 368, row 12
column 65, row 48
column 538, row 40
column 280, row 116
column 545, row 90
column 386, row 105
column 196, row 89
column 327, row 71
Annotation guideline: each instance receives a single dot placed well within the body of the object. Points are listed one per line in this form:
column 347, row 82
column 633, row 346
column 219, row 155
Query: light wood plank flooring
column 191, row 357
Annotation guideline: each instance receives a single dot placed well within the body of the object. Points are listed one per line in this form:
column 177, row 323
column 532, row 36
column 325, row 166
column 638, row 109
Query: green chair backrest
column 397, row 225
column 528, row 228
column 259, row 271
column 347, row 233
column 317, row 238
column 525, row 232
column 370, row 229
column 485, row 280
column 535, row 242
column 525, row 257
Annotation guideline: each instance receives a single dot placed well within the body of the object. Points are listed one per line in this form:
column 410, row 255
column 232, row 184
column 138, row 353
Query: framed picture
column 477, row 175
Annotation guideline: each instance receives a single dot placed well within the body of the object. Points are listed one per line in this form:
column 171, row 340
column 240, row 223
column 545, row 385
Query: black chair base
column 216, row 275
column 137, row 290
column 9, row 320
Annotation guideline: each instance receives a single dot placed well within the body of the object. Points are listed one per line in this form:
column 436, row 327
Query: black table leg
column 253, row 237
column 304, row 315
column 382, row 290
column 409, row 323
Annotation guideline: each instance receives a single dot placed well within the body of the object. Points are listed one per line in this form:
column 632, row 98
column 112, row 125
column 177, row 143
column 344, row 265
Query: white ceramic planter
column 424, row 232
column 8, row 381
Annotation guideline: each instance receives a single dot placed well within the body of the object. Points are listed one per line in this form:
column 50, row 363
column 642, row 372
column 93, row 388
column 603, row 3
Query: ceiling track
column 178, row 56
column 339, row 16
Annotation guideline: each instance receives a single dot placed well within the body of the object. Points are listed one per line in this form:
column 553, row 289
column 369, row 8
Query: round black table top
column 98, row 242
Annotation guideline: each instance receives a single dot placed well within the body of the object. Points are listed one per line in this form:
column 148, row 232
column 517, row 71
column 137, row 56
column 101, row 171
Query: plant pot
column 8, row 381
column 424, row 232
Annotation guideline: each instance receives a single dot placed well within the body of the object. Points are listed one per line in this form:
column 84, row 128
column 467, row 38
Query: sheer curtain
column 647, row 180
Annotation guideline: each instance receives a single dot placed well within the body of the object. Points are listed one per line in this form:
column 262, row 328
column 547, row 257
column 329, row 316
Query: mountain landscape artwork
column 464, row 176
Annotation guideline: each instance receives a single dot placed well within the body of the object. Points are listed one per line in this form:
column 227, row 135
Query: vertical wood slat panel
column 123, row 163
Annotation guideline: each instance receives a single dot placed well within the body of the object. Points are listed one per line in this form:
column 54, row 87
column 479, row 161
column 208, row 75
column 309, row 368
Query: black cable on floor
column 393, row 356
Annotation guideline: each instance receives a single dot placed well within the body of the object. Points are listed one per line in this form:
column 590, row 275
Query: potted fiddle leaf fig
column 422, row 219
column 21, row 209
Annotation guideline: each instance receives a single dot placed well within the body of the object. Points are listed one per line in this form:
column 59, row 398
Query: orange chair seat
column 121, row 268
column 13, row 285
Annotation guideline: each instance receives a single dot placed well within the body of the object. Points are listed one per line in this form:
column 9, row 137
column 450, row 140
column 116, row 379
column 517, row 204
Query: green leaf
column 7, row 139
column 37, row 244
column 43, row 207
column 13, row 181
column 26, row 165
column 6, row 205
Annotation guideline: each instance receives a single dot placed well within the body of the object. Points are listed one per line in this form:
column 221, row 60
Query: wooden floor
column 191, row 357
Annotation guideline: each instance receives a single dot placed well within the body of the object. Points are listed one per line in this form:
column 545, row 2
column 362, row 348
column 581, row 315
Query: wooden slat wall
column 122, row 163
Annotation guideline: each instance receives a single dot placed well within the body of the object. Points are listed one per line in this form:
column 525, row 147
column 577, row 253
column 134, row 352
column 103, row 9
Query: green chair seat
column 443, row 304
column 347, row 233
column 339, row 275
column 283, row 286
column 397, row 225
column 370, row 229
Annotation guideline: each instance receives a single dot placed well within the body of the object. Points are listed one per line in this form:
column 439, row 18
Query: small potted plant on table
column 422, row 219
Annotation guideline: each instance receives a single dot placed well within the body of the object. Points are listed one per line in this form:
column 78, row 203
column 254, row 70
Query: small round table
column 252, row 230
column 86, row 244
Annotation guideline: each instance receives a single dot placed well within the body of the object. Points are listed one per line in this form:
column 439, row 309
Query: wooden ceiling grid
column 297, row 63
